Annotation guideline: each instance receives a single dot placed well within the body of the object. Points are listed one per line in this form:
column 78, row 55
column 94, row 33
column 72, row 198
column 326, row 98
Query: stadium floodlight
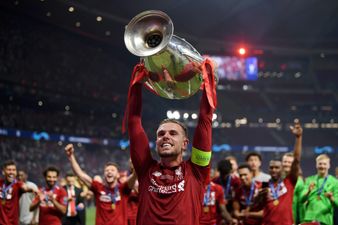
column 194, row 116
column 242, row 51
column 170, row 114
column 176, row 115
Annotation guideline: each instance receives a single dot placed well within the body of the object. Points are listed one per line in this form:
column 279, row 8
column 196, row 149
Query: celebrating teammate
column 320, row 193
column 280, row 191
column 10, row 192
column 246, row 206
column 51, row 199
column 111, row 197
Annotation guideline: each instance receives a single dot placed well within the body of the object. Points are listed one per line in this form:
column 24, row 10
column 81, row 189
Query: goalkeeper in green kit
column 320, row 193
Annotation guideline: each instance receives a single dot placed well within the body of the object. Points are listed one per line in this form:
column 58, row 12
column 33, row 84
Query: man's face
column 323, row 166
column 275, row 169
column 70, row 180
column 22, row 176
column 245, row 175
column 111, row 174
column 254, row 163
column 51, row 178
column 10, row 173
column 171, row 140
column 286, row 163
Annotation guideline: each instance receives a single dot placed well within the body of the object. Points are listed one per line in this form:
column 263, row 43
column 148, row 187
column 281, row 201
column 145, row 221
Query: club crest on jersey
column 157, row 173
column 179, row 173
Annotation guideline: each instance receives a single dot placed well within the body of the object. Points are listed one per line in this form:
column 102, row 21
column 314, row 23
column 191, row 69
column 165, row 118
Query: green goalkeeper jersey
column 298, row 208
column 318, row 207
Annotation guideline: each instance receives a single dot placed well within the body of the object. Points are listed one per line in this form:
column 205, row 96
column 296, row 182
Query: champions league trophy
column 173, row 65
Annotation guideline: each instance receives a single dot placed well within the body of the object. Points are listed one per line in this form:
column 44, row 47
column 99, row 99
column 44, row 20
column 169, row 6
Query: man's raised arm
column 201, row 149
column 297, row 130
column 139, row 143
column 87, row 180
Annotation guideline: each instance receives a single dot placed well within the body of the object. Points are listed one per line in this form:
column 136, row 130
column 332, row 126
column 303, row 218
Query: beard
column 10, row 178
column 110, row 180
column 168, row 154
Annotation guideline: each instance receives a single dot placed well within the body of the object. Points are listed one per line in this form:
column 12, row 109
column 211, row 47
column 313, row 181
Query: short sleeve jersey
column 212, row 200
column 243, row 195
column 281, row 213
column 108, row 212
column 229, row 191
column 9, row 202
column 49, row 214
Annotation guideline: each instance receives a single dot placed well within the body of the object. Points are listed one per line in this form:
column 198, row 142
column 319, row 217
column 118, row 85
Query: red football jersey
column 229, row 191
column 280, row 214
column 107, row 212
column 211, row 202
column 242, row 195
column 49, row 215
column 132, row 207
column 9, row 207
column 169, row 195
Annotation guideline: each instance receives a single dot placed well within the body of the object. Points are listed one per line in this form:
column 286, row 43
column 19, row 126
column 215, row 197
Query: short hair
column 111, row 164
column 289, row 154
column 231, row 157
column 224, row 166
column 21, row 170
column 184, row 127
column 276, row 159
column 253, row 154
column 51, row 169
column 8, row 163
column 245, row 166
column 322, row 156
column 70, row 174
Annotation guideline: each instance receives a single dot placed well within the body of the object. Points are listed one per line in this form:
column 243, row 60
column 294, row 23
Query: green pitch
column 90, row 216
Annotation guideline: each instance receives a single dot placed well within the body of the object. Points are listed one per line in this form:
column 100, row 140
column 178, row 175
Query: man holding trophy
column 171, row 190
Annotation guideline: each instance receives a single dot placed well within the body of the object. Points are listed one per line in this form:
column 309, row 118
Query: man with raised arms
column 171, row 190
column 111, row 197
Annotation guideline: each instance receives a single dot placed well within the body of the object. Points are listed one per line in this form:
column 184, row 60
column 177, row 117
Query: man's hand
column 329, row 195
column 235, row 221
column 296, row 129
column 50, row 196
column 246, row 212
column 80, row 206
column 312, row 186
column 41, row 195
column 69, row 149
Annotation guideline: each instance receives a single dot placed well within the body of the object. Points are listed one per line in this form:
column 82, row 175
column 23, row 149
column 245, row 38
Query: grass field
column 90, row 216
